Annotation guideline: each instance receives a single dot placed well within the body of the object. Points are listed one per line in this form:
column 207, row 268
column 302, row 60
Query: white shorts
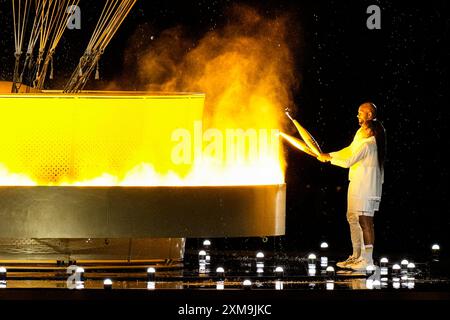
column 357, row 203
column 366, row 213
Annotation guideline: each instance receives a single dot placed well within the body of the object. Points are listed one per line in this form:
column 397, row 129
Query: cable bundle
column 49, row 24
column 113, row 14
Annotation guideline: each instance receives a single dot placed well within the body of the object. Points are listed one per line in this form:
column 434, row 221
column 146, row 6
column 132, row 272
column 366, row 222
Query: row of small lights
column 399, row 272
column 403, row 273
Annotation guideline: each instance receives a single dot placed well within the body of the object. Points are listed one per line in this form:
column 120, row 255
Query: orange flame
column 246, row 71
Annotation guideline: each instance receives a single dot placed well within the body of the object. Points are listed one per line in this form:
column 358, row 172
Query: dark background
column 402, row 68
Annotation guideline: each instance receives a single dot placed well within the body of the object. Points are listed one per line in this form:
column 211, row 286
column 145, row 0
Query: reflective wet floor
column 305, row 284
column 229, row 286
column 227, row 272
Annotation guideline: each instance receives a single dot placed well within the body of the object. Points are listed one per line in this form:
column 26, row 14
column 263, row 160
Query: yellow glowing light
column 299, row 144
column 121, row 139
column 56, row 139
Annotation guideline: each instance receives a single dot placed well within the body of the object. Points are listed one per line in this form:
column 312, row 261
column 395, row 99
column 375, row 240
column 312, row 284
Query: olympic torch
column 299, row 144
column 306, row 136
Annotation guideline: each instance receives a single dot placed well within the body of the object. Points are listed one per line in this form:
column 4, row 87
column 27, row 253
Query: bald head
column 370, row 108
column 366, row 111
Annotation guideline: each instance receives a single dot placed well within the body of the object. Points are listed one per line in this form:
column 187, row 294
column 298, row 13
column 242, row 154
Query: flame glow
column 126, row 140
column 246, row 71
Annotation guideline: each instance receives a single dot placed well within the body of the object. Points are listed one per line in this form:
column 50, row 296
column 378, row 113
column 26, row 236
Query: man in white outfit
column 364, row 191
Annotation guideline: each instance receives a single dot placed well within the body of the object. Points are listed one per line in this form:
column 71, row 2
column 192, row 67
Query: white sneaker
column 344, row 264
column 360, row 265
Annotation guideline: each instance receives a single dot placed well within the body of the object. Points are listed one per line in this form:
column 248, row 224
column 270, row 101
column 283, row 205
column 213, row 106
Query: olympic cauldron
column 90, row 175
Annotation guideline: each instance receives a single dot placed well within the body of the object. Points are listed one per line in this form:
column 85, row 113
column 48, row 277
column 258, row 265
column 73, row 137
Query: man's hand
column 324, row 157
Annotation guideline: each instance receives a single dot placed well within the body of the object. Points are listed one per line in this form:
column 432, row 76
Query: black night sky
column 340, row 63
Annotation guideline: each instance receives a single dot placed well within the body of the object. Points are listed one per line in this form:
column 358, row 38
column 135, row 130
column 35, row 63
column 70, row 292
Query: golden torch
column 309, row 146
